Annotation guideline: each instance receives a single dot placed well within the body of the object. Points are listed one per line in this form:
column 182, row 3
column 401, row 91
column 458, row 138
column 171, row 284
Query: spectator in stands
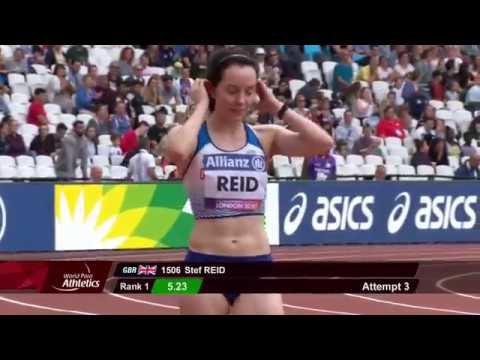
column 199, row 64
column 454, row 91
column 384, row 71
column 421, row 156
column 398, row 85
column 43, row 143
column 438, row 152
column 185, row 81
column 437, row 90
column 474, row 129
column 472, row 98
column 55, row 56
column 346, row 131
column 92, row 70
column 343, row 71
column 86, row 95
column 121, row 123
column 36, row 112
column 470, row 169
column 380, row 173
column 158, row 131
column 92, row 142
column 153, row 54
column 96, row 174
column 369, row 73
column 467, row 148
column 325, row 114
column 60, row 132
column 151, row 93
column 424, row 69
column 168, row 92
column 137, row 73
column 428, row 113
column 363, row 105
column 115, row 148
column 127, row 55
column 310, row 90
column 18, row 64
column 283, row 90
column 4, row 131
column 301, row 106
column 77, row 53
column 411, row 86
column 390, row 100
column 463, row 76
column 166, row 56
column 367, row 144
column 475, row 67
column 403, row 68
column 186, row 96
column 130, row 140
column 113, row 75
column 37, row 58
column 16, row 145
column 406, row 119
column 101, row 121
column 320, row 167
column 4, row 108
column 105, row 95
column 61, row 89
column 260, row 55
column 453, row 147
column 122, row 95
column 136, row 98
column 142, row 165
column 390, row 125
column 417, row 103
column 74, row 75
column 341, row 149
column 74, row 146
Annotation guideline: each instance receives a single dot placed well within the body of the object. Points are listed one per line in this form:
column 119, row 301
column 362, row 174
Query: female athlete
column 222, row 161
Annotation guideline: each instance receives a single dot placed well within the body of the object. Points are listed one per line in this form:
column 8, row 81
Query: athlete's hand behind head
column 268, row 102
column 199, row 92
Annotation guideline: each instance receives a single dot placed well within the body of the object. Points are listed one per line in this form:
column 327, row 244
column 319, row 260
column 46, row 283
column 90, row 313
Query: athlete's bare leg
column 204, row 304
column 258, row 304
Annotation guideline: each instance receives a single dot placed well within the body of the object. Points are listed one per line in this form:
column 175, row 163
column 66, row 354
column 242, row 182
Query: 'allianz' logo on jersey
column 234, row 162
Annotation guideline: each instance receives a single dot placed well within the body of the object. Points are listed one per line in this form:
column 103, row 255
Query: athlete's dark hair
column 222, row 59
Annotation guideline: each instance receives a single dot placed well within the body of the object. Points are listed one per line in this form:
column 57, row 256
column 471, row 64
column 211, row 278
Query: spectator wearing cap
column 141, row 166
column 158, row 131
column 18, row 64
column 74, row 146
column 43, row 143
column 151, row 93
column 77, row 53
column 130, row 140
column 84, row 101
column 127, row 56
column 121, row 123
column 74, row 74
column 4, row 109
column 36, row 112
column 169, row 93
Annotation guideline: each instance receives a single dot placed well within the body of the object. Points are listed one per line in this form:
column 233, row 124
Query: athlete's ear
column 210, row 88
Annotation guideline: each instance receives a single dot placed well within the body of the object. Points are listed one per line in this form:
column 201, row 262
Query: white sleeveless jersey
column 227, row 183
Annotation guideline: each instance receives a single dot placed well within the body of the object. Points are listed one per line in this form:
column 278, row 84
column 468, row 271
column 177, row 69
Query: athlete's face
column 236, row 92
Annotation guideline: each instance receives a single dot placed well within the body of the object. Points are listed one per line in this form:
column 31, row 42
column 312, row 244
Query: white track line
column 439, row 284
column 170, row 307
column 318, row 310
column 411, row 306
column 20, row 303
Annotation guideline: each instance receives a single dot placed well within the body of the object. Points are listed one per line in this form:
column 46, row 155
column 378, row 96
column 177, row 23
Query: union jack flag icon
column 148, row 270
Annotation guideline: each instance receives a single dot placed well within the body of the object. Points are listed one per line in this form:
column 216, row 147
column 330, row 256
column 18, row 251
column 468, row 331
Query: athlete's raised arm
column 302, row 137
column 181, row 140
